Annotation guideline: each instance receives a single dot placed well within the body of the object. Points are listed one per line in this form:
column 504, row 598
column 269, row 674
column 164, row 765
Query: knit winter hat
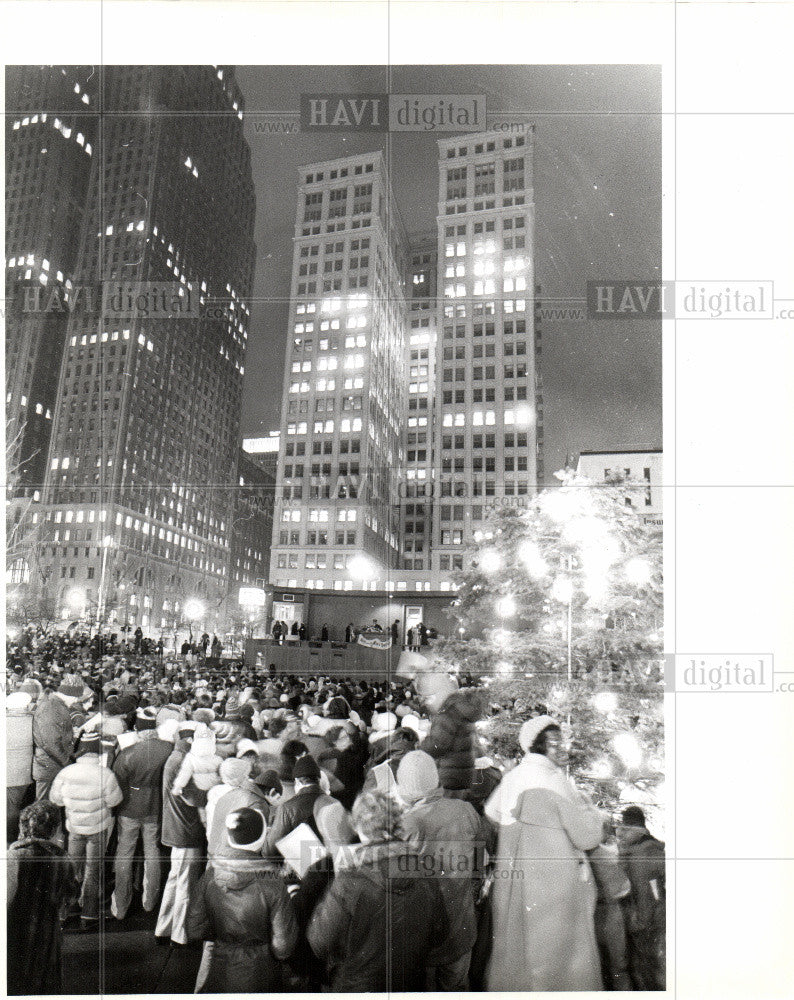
column 307, row 769
column 32, row 687
column 633, row 816
column 145, row 718
column 384, row 722
column 532, row 728
column 90, row 743
column 167, row 730
column 205, row 715
column 246, row 829
column 126, row 704
column 19, row 701
column 417, row 775
column 246, row 746
column 71, row 686
column 235, row 772
column 410, row 721
column 203, row 744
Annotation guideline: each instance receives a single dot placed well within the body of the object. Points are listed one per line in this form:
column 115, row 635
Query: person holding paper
column 298, row 809
column 242, row 911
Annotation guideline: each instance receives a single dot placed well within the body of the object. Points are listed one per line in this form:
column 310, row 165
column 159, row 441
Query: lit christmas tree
column 560, row 611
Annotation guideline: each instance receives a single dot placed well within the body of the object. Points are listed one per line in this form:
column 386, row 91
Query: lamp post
column 108, row 543
column 194, row 611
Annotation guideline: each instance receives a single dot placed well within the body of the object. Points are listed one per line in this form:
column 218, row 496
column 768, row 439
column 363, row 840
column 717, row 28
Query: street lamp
column 361, row 568
column 108, row 543
column 252, row 599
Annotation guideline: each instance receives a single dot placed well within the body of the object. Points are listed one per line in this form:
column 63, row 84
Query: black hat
column 245, row 827
column 89, row 743
column 145, row 718
column 306, row 768
column 633, row 816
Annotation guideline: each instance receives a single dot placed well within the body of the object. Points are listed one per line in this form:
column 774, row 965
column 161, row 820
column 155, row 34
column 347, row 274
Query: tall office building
column 470, row 420
column 485, row 427
column 335, row 523
column 51, row 143
column 143, row 455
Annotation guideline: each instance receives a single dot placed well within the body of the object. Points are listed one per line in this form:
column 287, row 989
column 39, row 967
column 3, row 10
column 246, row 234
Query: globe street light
column 361, row 568
column 194, row 608
column 76, row 597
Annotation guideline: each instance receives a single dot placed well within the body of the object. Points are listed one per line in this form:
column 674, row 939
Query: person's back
column 379, row 921
column 242, row 911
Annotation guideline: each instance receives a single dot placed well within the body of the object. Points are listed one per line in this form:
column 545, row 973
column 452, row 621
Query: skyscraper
column 142, row 465
column 51, row 141
column 485, row 428
column 344, row 392
column 467, row 354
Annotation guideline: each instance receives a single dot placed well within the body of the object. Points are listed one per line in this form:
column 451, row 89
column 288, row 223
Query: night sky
column 597, row 170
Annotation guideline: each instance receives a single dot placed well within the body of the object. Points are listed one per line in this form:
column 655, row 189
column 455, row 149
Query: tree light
column 562, row 589
column 601, row 769
column 490, row 561
column 606, row 701
column 628, row 749
column 506, row 607
column 638, row 571
column 503, row 668
column 530, row 555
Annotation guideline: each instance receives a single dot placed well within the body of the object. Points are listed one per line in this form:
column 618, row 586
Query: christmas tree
column 559, row 611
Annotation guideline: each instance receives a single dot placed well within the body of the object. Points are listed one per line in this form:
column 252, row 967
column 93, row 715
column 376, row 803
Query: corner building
column 143, row 456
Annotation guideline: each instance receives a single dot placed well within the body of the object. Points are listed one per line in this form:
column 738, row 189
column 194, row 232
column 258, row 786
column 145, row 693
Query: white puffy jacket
column 89, row 791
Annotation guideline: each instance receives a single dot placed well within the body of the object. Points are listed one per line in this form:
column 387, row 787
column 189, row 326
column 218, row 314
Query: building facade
column 636, row 466
column 454, row 426
column 344, row 392
column 51, row 142
column 139, row 493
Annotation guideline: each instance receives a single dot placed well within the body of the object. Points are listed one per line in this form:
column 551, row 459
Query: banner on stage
column 375, row 640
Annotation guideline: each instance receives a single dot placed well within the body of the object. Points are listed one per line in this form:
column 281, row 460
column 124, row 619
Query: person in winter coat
column 53, row 737
column 183, row 832
column 139, row 771
column 236, row 791
column 242, row 911
column 378, row 923
column 612, row 886
column 543, row 931
column 199, row 770
column 452, row 741
column 40, row 880
column 299, row 808
column 336, row 832
column 385, row 758
column 643, row 858
column 450, row 836
column 88, row 791
column 19, row 758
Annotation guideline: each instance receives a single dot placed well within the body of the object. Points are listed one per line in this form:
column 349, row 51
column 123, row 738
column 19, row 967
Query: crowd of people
column 322, row 833
column 414, row 637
